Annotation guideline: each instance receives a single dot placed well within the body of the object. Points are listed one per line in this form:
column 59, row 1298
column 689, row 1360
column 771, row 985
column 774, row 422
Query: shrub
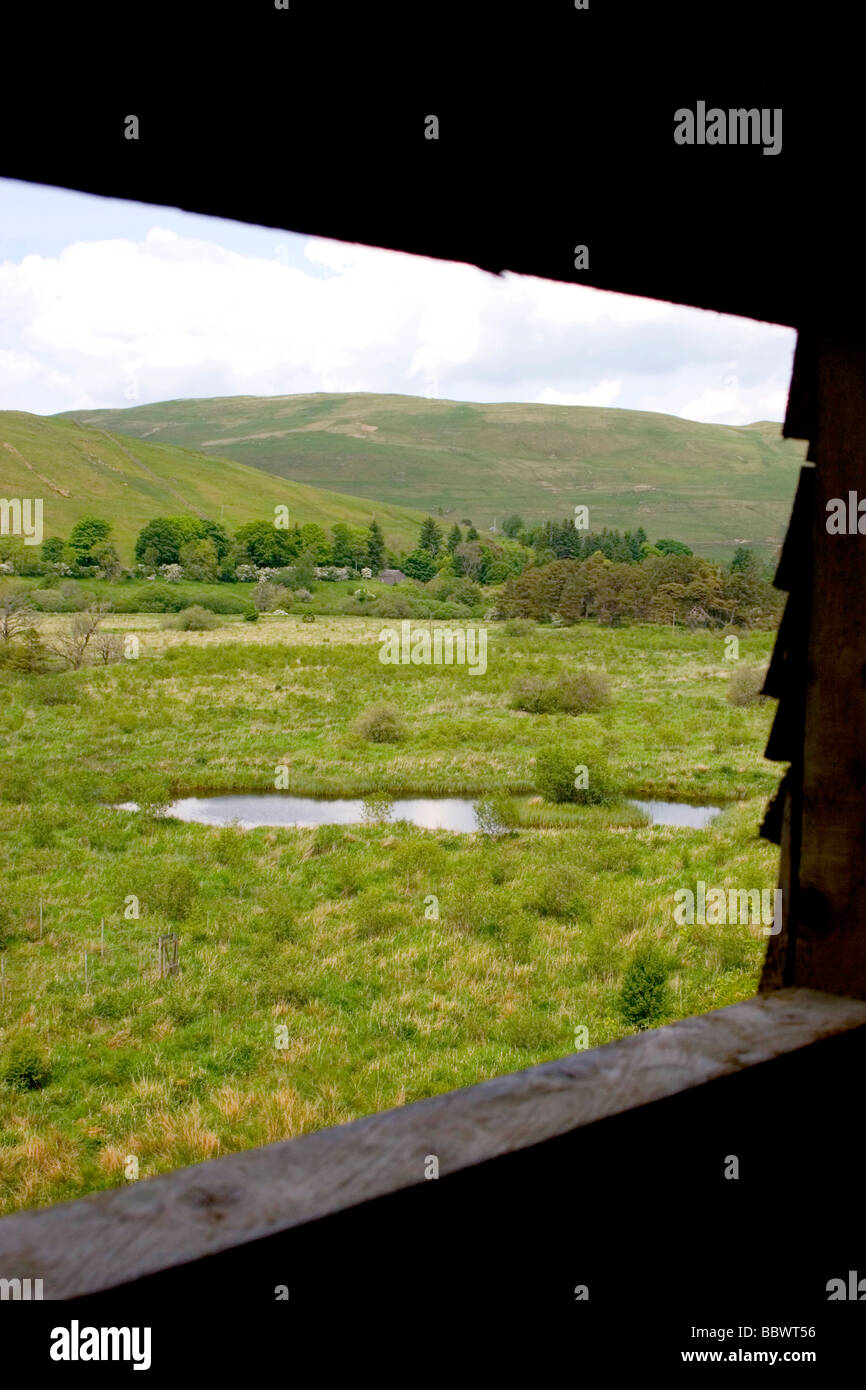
column 267, row 596
column 643, row 999
column 216, row 602
column 25, row 1065
column 308, row 618
column 73, row 643
column 392, row 606
column 465, row 592
column 195, row 619
column 27, row 654
column 556, row 775
column 572, row 692
column 251, row 616
column 159, row 598
column 172, row 893
column 534, row 694
column 496, row 814
column 107, row 647
column 302, row 596
column 51, row 601
column 579, row 692
column 519, row 627
column 380, row 724
column 744, row 686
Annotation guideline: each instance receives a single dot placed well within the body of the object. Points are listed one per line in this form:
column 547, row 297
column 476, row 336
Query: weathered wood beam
column 828, row 906
column 109, row 1239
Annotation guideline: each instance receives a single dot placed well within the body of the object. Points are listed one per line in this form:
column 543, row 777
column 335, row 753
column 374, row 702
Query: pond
column 428, row 812
column 679, row 813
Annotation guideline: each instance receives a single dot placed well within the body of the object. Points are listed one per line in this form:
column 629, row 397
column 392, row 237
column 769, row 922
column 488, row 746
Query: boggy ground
column 330, row 935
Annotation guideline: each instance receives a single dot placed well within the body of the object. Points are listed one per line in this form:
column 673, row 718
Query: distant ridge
column 705, row 484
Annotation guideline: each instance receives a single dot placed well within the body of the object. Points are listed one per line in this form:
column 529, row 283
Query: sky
column 107, row 303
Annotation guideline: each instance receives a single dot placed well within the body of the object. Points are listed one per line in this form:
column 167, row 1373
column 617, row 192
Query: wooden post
column 167, row 955
column 823, row 870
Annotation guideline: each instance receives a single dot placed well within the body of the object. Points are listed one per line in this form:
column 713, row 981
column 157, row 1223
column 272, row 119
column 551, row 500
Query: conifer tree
column 431, row 537
column 375, row 547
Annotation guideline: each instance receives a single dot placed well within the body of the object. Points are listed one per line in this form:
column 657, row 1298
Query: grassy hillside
column 712, row 485
column 79, row 469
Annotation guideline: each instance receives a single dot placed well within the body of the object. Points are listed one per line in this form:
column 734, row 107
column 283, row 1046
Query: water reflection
column 428, row 812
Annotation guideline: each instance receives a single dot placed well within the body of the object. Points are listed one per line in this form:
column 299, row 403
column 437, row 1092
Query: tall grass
column 316, row 982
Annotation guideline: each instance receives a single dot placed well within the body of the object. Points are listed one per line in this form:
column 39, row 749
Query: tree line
column 662, row 588
column 551, row 571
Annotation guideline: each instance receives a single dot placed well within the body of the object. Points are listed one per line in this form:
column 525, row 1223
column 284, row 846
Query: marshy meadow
column 329, row 971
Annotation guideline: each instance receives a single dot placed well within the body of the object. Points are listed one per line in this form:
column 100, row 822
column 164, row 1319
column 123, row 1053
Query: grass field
column 325, row 932
column 709, row 485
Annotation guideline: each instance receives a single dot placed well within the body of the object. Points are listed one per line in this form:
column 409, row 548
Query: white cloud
column 167, row 314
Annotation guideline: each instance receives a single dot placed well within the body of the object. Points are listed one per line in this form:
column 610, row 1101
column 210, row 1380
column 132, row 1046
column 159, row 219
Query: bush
column 643, row 999
column 159, row 598
column 216, row 602
column 392, row 606
column 27, row 654
column 173, row 892
column 251, row 616
column 556, row 775
column 267, row 596
column 302, row 596
column 308, row 618
column 496, row 814
column 582, row 691
column 534, row 694
column 519, row 627
column 195, row 619
column 572, row 692
column 25, row 1065
column 465, row 592
column 380, row 724
column 50, row 601
column 744, row 686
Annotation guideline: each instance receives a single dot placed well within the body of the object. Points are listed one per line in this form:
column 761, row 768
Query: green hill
column 711, row 485
column 79, row 470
